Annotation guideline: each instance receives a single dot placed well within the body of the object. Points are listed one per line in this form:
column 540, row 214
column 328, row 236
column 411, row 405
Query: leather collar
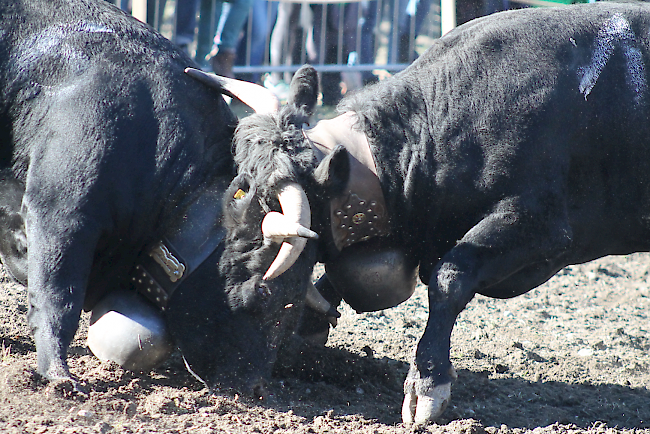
column 163, row 266
column 360, row 212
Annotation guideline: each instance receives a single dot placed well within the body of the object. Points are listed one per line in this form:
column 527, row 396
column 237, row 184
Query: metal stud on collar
column 146, row 285
column 357, row 219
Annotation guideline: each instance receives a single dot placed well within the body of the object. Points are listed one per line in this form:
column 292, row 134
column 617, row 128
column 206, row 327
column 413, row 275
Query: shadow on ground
column 515, row 402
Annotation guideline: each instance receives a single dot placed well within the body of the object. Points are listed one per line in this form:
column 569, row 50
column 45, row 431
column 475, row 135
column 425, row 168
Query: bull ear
column 333, row 172
column 238, row 197
column 303, row 91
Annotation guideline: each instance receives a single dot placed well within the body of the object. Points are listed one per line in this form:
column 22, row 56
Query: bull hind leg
column 514, row 237
column 13, row 240
column 61, row 242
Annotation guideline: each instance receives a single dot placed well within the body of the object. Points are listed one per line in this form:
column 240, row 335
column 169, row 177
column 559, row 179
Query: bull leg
column 60, row 256
column 499, row 246
column 13, row 246
column 13, row 240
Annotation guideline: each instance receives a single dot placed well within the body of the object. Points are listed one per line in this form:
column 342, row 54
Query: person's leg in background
column 224, row 49
column 209, row 13
column 326, row 39
column 262, row 19
column 185, row 23
column 368, row 36
column 155, row 10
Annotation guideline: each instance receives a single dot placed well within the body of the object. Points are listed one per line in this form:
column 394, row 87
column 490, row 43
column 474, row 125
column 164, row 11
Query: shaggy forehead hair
column 272, row 148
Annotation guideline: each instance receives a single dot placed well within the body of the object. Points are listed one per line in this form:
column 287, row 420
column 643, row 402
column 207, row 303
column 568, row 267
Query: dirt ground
column 571, row 356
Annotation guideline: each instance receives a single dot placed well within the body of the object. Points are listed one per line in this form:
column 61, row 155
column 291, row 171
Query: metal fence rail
column 336, row 36
column 332, row 35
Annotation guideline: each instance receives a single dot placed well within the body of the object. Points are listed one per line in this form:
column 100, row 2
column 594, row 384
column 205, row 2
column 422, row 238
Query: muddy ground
column 571, row 356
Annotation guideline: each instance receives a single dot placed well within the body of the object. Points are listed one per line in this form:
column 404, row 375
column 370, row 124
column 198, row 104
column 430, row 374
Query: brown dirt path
column 571, row 356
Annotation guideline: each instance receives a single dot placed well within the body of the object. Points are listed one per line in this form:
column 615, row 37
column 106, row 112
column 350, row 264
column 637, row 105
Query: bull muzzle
column 291, row 228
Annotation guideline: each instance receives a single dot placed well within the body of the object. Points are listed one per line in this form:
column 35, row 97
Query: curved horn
column 253, row 95
column 287, row 256
column 278, row 226
column 316, row 301
column 295, row 207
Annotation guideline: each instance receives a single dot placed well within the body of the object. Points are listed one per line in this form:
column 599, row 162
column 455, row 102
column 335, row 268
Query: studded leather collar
column 162, row 267
column 360, row 212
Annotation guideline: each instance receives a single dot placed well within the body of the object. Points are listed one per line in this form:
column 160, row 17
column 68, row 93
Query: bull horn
column 276, row 226
column 316, row 301
column 295, row 207
column 253, row 95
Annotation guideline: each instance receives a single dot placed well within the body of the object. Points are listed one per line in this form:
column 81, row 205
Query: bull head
column 291, row 228
column 270, row 247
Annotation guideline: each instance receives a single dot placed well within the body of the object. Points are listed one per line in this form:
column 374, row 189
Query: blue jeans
column 220, row 27
column 122, row 4
column 185, row 21
column 262, row 19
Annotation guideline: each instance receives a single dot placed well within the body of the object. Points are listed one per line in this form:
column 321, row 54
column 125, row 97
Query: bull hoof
column 421, row 410
column 60, row 382
column 68, row 388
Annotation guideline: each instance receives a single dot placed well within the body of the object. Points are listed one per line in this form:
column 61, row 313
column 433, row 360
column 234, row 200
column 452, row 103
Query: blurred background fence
column 350, row 42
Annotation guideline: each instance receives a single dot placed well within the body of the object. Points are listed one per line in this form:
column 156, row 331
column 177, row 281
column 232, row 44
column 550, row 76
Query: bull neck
column 342, row 130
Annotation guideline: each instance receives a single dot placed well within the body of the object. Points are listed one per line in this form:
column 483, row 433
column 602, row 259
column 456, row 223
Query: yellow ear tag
column 240, row 193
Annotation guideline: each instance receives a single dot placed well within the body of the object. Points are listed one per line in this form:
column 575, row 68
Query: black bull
column 106, row 147
column 517, row 144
